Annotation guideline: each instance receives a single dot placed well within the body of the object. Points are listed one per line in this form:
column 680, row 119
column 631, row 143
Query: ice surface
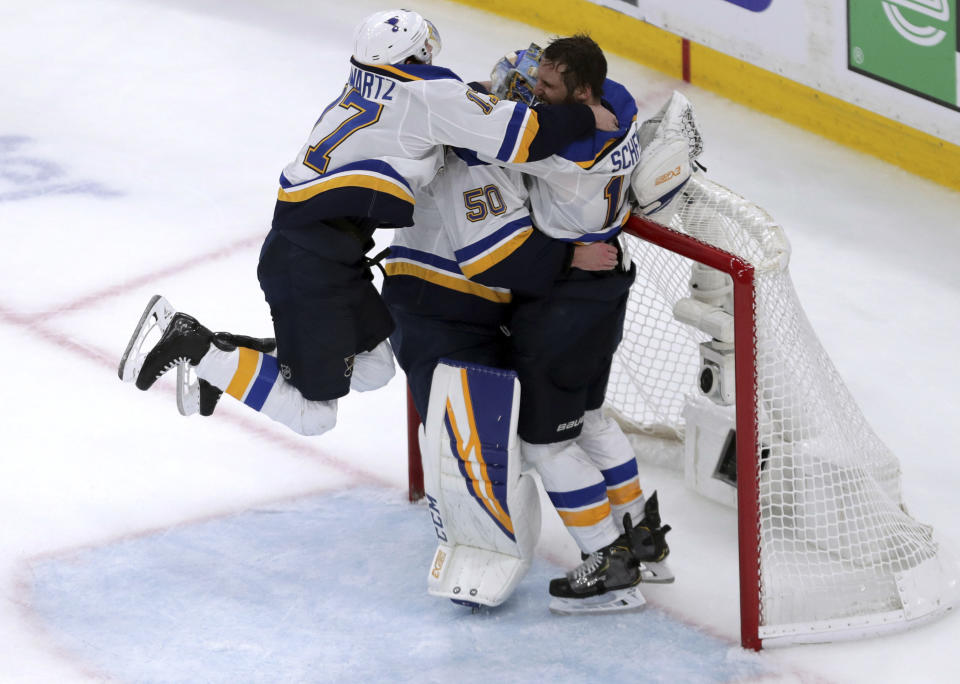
column 140, row 144
column 308, row 591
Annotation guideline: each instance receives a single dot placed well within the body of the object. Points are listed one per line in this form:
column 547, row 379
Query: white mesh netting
column 835, row 541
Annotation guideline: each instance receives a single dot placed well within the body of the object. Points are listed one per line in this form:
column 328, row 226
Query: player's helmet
column 392, row 36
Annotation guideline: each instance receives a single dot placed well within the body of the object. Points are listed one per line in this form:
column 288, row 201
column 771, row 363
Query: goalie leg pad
column 485, row 512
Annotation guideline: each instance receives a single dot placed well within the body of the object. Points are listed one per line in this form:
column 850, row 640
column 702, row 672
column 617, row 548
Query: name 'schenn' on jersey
column 379, row 143
column 581, row 194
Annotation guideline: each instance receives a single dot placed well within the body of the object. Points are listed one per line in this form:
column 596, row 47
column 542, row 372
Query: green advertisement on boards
column 913, row 45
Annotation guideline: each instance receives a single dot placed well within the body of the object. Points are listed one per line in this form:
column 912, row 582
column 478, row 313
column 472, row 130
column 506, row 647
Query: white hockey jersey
column 581, row 194
column 472, row 235
column 379, row 143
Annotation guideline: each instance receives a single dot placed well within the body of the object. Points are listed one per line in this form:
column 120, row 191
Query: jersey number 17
column 367, row 114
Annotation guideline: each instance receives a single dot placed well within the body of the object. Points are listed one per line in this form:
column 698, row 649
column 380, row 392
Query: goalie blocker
column 486, row 513
column 670, row 143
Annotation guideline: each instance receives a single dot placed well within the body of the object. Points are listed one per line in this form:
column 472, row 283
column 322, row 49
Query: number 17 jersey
column 374, row 148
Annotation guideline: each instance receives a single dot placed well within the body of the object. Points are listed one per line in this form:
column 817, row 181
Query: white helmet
column 392, row 36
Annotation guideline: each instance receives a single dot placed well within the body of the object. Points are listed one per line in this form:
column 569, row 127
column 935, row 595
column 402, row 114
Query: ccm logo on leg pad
column 438, row 562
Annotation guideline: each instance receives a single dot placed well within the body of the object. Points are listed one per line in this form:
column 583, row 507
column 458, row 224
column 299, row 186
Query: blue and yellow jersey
column 581, row 194
column 472, row 245
column 380, row 142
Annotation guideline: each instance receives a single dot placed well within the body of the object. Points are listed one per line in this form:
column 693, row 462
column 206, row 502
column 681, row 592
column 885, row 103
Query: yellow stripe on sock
column 586, row 518
column 625, row 494
column 249, row 360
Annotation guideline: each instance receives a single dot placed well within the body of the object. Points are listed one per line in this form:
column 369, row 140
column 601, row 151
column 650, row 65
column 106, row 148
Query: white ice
column 140, row 144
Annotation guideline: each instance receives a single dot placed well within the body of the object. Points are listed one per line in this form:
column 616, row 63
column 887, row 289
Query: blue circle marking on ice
column 333, row 588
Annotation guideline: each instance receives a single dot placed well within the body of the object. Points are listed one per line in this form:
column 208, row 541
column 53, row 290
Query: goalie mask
column 515, row 76
column 393, row 36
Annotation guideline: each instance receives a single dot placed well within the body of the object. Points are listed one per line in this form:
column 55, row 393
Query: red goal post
column 748, row 517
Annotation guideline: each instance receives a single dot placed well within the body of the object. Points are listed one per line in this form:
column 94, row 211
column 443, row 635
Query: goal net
column 718, row 354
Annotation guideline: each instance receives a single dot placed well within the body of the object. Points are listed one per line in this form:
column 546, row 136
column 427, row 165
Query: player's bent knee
column 317, row 417
column 373, row 369
column 307, row 417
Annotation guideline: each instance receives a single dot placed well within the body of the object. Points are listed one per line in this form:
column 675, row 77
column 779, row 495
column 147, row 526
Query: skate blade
column 656, row 573
column 156, row 317
column 617, row 601
column 188, row 390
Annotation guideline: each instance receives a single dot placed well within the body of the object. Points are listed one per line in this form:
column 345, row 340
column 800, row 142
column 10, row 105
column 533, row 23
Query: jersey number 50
column 478, row 208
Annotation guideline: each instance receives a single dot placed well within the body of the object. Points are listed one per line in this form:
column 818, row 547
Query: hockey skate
column 649, row 539
column 154, row 321
column 182, row 340
column 195, row 395
column 608, row 580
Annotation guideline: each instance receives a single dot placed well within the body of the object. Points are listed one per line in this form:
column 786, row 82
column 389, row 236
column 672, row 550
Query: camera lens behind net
column 707, row 379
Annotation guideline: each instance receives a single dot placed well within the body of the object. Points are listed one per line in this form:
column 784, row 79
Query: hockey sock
column 577, row 490
column 609, row 450
column 623, row 491
column 253, row 378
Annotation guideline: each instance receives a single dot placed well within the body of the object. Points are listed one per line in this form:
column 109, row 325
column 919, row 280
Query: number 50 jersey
column 380, row 142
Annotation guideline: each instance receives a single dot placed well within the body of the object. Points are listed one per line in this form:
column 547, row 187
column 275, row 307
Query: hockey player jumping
column 368, row 156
